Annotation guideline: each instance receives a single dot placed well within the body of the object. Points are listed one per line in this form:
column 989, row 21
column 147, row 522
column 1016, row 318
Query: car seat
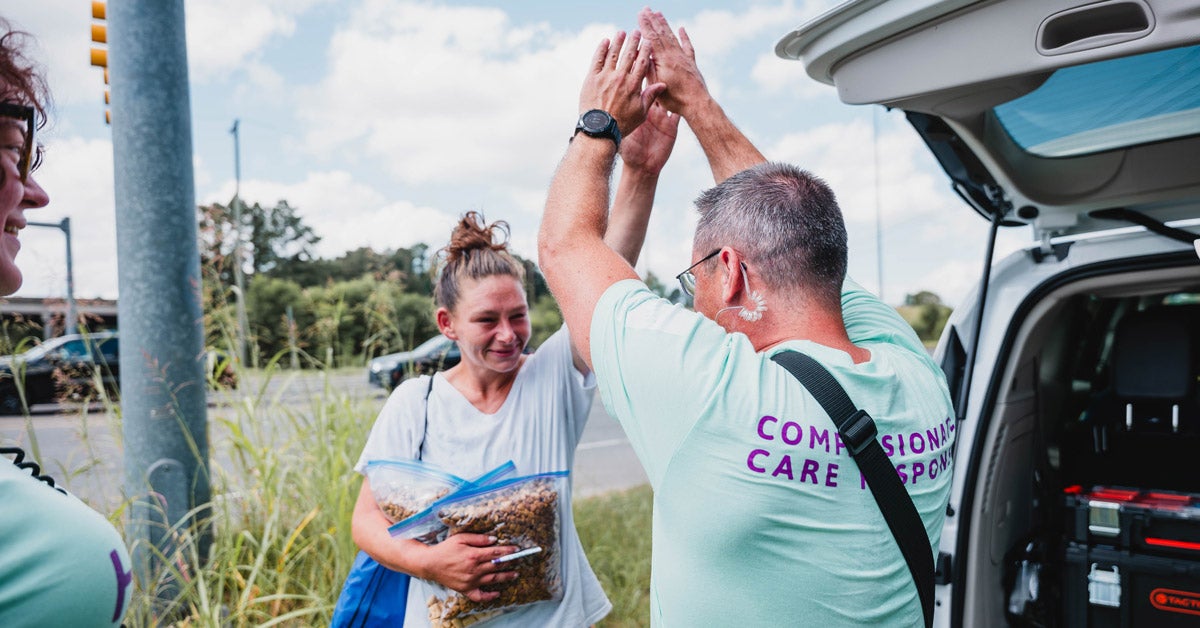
column 1143, row 429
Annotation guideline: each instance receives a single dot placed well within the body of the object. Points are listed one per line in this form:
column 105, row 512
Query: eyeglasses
column 687, row 280
column 28, row 160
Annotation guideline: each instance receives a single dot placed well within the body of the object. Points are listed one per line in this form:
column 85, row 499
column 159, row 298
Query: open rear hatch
column 1042, row 111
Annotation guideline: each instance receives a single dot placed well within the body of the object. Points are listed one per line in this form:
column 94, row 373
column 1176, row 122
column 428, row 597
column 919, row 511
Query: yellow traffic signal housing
column 100, row 54
column 99, row 36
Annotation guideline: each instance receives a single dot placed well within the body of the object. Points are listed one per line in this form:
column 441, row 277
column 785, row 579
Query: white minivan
column 1074, row 364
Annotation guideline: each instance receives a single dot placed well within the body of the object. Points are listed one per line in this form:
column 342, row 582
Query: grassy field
column 615, row 532
column 280, row 520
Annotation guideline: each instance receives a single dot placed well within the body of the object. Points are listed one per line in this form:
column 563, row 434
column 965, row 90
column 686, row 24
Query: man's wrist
column 636, row 172
column 697, row 110
column 599, row 124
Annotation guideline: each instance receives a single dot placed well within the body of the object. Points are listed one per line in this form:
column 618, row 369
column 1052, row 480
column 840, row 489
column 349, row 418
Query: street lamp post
column 71, row 320
column 243, row 331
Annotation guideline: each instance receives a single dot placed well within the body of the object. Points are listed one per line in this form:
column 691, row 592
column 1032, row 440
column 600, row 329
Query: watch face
column 595, row 121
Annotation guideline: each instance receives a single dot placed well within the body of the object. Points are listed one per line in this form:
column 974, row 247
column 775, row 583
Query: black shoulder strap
column 425, row 421
column 858, row 431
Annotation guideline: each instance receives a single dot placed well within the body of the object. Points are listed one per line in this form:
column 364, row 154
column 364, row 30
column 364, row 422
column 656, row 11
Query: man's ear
column 731, row 280
column 445, row 323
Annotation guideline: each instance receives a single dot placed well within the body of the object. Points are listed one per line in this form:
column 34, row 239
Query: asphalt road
column 78, row 448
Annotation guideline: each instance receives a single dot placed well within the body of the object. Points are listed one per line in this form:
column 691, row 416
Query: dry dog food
column 401, row 504
column 438, row 609
column 425, row 526
column 523, row 512
column 403, row 488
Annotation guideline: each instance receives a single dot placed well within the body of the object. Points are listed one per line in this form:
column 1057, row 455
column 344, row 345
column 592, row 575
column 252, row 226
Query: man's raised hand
column 614, row 81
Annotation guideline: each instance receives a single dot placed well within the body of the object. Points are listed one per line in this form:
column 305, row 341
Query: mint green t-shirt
column 62, row 563
column 761, row 517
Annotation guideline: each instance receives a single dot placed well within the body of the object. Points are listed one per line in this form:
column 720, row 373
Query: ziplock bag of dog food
column 403, row 488
column 426, row 527
column 523, row 512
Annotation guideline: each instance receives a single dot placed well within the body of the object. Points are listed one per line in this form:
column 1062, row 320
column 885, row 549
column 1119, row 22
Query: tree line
column 334, row 312
column 309, row 311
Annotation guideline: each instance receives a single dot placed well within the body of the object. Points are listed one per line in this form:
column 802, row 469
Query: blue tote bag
column 373, row 595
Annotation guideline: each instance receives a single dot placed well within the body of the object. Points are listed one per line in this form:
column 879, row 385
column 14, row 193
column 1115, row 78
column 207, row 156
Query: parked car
column 1074, row 363
column 63, row 368
column 68, row 368
column 379, row 369
column 436, row 354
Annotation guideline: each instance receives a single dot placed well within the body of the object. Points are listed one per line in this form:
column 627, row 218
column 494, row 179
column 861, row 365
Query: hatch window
column 1108, row 105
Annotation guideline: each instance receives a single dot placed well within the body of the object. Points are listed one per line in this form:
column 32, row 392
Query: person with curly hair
column 63, row 563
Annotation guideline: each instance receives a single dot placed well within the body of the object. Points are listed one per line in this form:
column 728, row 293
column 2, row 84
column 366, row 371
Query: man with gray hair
column 762, row 514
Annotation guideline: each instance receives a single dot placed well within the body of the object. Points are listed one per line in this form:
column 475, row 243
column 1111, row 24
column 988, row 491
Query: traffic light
column 100, row 54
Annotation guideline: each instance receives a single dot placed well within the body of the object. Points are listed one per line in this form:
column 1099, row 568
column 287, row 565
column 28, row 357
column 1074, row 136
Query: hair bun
column 476, row 250
column 473, row 233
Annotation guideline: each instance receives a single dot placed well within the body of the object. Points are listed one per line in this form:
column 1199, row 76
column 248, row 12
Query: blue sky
column 383, row 120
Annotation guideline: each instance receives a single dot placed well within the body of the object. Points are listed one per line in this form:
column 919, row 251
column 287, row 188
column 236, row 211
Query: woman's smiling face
column 15, row 197
column 490, row 323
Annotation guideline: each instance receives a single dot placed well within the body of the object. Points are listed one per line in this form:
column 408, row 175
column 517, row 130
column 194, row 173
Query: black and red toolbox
column 1132, row 558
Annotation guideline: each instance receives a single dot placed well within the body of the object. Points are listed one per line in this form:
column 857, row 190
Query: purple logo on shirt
column 123, row 580
column 792, row 438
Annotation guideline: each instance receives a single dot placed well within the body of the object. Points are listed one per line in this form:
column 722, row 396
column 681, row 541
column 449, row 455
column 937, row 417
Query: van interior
column 1100, row 397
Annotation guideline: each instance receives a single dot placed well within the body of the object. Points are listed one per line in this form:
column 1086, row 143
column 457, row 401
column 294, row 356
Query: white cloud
column 723, row 30
column 263, row 82
column 223, row 35
column 447, row 94
column 845, row 155
column 78, row 175
column 348, row 214
column 775, row 75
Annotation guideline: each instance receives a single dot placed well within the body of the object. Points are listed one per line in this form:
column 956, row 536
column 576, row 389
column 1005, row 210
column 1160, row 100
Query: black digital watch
column 598, row 123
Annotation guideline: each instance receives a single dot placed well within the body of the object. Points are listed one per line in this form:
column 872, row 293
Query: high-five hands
column 614, row 81
column 673, row 63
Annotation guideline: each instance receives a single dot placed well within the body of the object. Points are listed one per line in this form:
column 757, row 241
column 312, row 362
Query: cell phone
column 515, row 555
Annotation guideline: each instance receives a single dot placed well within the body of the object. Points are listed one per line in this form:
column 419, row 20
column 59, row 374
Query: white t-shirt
column 538, row 428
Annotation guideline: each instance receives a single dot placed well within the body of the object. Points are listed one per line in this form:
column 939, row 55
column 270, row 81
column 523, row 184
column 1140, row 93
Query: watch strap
column 609, row 130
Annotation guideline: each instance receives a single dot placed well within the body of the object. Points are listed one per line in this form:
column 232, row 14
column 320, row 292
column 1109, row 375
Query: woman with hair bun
column 500, row 403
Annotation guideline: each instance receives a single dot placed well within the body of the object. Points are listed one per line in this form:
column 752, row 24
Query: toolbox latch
column 1104, row 518
column 1104, row 587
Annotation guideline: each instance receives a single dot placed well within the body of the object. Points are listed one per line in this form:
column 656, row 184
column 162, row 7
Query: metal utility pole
column 238, row 280
column 71, row 319
column 163, row 384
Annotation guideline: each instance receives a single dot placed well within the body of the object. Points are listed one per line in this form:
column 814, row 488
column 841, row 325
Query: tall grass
column 615, row 532
column 283, row 492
